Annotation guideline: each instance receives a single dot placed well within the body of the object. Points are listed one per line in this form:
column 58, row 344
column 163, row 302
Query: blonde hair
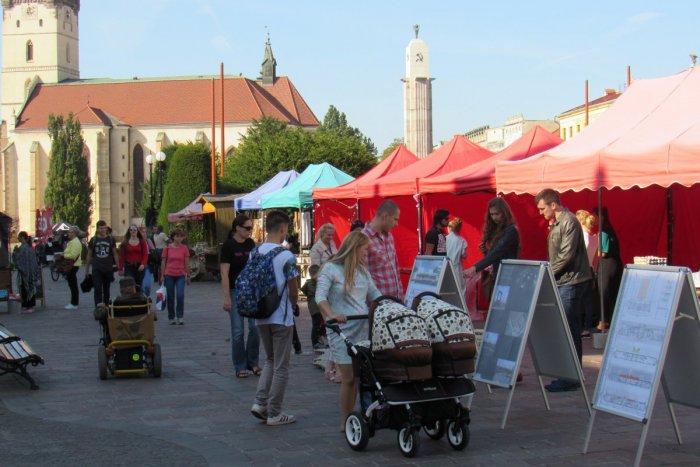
column 585, row 218
column 347, row 257
column 323, row 229
column 455, row 224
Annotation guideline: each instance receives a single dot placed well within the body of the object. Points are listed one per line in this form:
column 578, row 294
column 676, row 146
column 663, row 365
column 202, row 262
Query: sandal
column 242, row 374
column 257, row 371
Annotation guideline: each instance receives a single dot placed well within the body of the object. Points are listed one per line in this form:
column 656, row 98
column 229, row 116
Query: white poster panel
column 633, row 360
column 425, row 276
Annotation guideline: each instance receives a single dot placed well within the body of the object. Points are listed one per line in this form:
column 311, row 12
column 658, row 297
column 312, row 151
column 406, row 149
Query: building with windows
column 496, row 139
column 572, row 121
column 123, row 120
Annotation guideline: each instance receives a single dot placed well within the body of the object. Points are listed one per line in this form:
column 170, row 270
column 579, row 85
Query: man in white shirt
column 276, row 332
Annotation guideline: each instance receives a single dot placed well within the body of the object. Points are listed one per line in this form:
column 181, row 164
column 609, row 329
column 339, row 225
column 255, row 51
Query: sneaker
column 259, row 411
column 181, row 322
column 70, row 306
column 586, row 334
column 172, row 321
column 560, row 385
column 28, row 310
column 297, row 351
column 281, row 419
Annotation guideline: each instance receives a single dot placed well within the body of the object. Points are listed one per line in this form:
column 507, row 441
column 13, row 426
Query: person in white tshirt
column 276, row 332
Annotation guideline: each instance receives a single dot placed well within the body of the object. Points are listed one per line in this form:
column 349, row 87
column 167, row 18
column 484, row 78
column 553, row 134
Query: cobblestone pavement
column 198, row 412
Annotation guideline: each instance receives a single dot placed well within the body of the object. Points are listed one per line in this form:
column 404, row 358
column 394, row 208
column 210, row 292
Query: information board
column 434, row 274
column 654, row 339
column 633, row 357
column 508, row 318
column 525, row 308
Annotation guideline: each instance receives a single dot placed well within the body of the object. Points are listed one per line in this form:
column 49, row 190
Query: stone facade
column 498, row 138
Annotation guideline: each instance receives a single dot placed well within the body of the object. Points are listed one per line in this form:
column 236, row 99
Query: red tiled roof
column 165, row 102
column 606, row 98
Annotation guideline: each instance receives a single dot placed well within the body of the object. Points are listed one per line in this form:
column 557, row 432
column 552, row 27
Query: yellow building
column 572, row 121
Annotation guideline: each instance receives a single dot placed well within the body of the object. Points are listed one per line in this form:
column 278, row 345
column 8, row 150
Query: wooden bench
column 16, row 355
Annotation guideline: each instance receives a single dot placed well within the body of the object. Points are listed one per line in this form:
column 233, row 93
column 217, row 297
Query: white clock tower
column 39, row 44
column 418, row 98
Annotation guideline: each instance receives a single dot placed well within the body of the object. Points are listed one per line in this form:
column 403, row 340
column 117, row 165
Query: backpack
column 256, row 286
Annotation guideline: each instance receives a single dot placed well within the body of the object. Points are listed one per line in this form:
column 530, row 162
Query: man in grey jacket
column 569, row 262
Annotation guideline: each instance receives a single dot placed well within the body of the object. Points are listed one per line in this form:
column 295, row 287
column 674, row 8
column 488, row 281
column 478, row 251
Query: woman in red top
column 174, row 272
column 133, row 255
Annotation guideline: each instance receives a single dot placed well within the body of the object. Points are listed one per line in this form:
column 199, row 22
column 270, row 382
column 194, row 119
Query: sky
column 490, row 59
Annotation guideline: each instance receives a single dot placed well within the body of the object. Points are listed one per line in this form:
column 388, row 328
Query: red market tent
column 403, row 188
column 339, row 205
column 644, row 154
column 456, row 154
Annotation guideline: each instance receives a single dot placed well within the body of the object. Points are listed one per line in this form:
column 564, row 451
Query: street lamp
column 160, row 163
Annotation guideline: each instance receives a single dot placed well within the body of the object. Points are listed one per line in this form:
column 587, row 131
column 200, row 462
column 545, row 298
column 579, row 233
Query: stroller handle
column 349, row 317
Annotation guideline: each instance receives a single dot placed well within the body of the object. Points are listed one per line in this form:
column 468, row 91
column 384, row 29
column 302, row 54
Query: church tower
column 268, row 73
column 39, row 44
column 418, row 99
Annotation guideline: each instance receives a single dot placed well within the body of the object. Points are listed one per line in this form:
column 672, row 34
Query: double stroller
column 127, row 338
column 415, row 369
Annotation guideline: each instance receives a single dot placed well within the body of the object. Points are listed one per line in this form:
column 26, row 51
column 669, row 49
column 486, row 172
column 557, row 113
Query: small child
column 309, row 289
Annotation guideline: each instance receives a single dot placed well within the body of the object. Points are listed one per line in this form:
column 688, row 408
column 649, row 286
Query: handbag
column 65, row 265
column 161, row 298
column 87, row 284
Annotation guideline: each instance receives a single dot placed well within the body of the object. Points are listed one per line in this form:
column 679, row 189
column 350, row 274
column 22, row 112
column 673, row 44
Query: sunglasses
column 246, row 227
column 133, row 230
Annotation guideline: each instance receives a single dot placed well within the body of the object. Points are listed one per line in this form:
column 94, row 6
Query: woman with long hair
column 500, row 240
column 174, row 271
column 24, row 259
column 343, row 289
column 234, row 256
column 609, row 265
column 457, row 251
column 133, row 255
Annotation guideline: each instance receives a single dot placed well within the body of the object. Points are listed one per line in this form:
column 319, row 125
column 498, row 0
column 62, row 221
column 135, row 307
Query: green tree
column 336, row 121
column 68, row 189
column 188, row 175
column 391, row 148
column 271, row 146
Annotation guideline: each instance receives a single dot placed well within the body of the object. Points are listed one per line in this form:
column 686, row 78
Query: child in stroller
column 404, row 399
column 127, row 334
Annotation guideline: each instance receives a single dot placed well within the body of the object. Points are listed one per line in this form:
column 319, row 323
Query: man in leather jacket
column 569, row 262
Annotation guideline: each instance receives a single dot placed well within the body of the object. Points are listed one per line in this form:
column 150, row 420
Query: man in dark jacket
column 569, row 262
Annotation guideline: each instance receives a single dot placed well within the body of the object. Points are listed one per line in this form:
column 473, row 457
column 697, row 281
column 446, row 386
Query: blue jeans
column 146, row 285
column 244, row 355
column 102, row 281
column 571, row 299
column 175, row 285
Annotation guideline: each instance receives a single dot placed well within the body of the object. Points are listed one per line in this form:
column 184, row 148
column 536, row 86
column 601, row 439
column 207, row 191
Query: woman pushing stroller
column 344, row 288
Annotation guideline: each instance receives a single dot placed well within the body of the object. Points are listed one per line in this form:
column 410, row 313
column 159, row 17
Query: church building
column 123, row 120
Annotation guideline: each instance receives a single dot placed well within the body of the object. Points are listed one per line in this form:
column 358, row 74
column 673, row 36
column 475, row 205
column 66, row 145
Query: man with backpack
column 271, row 266
column 101, row 257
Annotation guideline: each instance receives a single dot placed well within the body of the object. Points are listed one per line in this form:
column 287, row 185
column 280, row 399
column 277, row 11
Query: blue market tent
column 253, row 200
column 298, row 193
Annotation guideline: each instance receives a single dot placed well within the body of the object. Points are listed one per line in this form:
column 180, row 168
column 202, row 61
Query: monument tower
column 418, row 98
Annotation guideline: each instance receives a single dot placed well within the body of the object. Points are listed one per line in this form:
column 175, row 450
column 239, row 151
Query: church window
column 30, row 51
column 571, row 131
column 67, row 53
column 41, row 22
column 138, row 177
column 17, row 23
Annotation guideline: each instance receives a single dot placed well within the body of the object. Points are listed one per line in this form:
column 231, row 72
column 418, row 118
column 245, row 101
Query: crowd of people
column 342, row 281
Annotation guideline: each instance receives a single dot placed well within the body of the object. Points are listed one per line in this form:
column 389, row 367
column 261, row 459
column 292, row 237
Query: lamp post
column 160, row 165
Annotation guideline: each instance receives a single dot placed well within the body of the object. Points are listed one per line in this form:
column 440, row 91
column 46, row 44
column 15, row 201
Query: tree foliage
column 391, row 148
column 68, row 189
column 270, row 146
column 335, row 121
column 188, row 175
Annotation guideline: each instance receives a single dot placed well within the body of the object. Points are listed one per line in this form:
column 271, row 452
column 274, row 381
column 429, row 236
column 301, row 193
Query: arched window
column 138, row 176
column 67, row 53
column 30, row 51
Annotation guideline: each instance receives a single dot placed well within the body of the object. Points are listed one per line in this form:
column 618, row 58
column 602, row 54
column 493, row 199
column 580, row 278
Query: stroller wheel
column 408, row 441
column 356, row 431
column 458, row 434
column 437, row 431
column 102, row 362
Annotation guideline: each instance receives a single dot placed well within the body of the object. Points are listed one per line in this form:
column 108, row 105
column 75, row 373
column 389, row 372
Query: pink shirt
column 177, row 260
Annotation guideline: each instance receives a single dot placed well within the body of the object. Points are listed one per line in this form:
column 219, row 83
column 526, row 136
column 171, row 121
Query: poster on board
column 434, row 274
